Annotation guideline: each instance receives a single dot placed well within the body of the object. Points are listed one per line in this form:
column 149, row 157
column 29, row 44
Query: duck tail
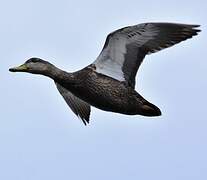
column 148, row 109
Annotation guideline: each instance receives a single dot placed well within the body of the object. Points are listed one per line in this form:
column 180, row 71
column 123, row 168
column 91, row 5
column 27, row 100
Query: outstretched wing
column 125, row 49
column 78, row 106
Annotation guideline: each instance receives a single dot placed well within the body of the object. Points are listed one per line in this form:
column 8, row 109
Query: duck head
column 34, row 66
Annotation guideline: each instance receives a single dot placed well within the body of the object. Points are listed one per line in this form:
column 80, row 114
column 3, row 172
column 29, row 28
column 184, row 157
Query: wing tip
column 85, row 121
column 193, row 29
column 85, row 118
column 196, row 25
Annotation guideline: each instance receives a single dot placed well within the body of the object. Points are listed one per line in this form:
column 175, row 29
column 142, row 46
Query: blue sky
column 40, row 138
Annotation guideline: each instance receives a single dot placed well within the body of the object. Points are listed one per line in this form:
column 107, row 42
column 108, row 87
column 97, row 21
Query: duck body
column 108, row 94
column 109, row 82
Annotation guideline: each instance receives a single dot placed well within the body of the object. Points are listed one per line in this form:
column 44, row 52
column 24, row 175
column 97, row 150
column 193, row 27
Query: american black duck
column 109, row 82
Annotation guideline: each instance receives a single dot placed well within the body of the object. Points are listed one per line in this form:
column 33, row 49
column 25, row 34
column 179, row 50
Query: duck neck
column 59, row 75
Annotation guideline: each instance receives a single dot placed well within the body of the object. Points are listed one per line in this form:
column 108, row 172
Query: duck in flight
column 109, row 82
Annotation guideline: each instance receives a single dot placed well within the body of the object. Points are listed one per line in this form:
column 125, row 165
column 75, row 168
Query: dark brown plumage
column 109, row 82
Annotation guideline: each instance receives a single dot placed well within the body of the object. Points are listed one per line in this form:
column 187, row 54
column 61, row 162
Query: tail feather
column 150, row 110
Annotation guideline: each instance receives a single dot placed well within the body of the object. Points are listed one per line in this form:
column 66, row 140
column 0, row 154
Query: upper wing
column 125, row 49
column 78, row 106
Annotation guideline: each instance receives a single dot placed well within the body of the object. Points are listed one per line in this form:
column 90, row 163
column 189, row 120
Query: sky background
column 40, row 138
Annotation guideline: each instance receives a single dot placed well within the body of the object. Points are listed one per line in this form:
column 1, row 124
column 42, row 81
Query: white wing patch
column 111, row 69
column 111, row 59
